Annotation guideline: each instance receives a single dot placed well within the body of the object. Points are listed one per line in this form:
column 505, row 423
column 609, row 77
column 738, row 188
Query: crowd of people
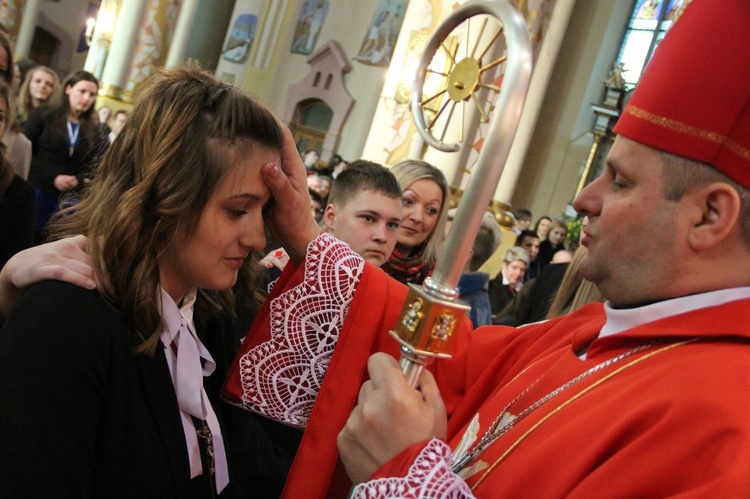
column 124, row 372
column 52, row 140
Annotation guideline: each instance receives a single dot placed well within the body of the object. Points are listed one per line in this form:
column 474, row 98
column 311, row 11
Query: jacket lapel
column 156, row 383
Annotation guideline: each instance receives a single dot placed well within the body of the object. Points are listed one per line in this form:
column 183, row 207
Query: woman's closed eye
column 236, row 212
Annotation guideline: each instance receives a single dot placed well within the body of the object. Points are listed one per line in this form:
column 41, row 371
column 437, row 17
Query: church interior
column 340, row 73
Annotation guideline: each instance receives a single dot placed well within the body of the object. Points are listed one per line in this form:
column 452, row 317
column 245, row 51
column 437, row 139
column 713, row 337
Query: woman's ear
column 718, row 205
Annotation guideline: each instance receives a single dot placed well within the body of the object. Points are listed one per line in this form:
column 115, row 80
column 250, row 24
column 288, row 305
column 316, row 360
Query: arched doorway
column 313, row 119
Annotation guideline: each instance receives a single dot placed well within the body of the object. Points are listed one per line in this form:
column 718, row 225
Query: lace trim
column 429, row 477
column 281, row 378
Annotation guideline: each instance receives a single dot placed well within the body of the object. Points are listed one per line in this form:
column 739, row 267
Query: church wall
column 561, row 141
column 560, row 144
column 69, row 17
column 347, row 22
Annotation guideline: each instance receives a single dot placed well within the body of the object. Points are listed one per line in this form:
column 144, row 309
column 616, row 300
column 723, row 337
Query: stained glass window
column 648, row 24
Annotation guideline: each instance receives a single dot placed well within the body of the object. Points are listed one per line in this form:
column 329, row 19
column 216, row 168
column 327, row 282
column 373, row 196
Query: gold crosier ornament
column 432, row 311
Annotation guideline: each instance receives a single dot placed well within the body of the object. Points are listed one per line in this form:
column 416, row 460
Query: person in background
column 555, row 242
column 574, row 291
column 23, row 66
column 425, row 194
column 317, row 208
column 473, row 285
column 646, row 395
column 312, row 181
column 324, row 186
column 17, row 198
column 66, row 144
column 310, row 160
column 104, row 114
column 522, row 219
column 533, row 301
column 364, row 210
column 337, row 165
column 503, row 288
column 117, row 123
column 529, row 240
column 542, row 226
column 17, row 146
column 41, row 86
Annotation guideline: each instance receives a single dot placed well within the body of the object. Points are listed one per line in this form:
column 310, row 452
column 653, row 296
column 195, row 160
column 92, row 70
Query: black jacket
column 84, row 416
column 50, row 154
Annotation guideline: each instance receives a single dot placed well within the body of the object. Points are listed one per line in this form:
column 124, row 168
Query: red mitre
column 693, row 99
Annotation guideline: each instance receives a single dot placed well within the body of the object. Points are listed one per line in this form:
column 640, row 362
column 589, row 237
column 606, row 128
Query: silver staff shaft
column 432, row 312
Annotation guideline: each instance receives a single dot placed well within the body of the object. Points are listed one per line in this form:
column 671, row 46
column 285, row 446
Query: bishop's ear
column 719, row 207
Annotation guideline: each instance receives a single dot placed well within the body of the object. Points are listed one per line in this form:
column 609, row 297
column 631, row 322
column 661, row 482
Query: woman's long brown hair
column 158, row 175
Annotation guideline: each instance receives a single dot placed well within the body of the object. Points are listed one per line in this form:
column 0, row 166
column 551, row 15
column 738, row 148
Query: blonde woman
column 41, row 86
column 425, row 209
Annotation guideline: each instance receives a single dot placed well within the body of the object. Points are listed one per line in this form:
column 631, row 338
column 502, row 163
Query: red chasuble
column 305, row 356
column 664, row 414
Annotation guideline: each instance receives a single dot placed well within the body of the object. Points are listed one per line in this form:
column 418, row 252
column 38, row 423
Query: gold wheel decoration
column 466, row 69
column 436, row 300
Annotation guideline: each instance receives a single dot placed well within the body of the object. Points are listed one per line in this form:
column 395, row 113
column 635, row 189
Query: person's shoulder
column 20, row 140
column 67, row 310
column 470, row 282
column 41, row 112
column 37, row 122
column 68, row 333
column 60, row 291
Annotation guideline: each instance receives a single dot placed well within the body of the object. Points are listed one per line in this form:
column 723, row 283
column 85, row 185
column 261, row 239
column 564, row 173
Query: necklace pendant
column 205, row 433
column 71, row 150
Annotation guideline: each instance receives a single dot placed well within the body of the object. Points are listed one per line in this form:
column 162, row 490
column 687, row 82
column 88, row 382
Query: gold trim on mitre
column 693, row 131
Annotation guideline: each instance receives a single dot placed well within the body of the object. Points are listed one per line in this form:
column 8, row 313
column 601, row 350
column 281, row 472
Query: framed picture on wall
column 312, row 15
column 246, row 26
column 377, row 47
column 240, row 40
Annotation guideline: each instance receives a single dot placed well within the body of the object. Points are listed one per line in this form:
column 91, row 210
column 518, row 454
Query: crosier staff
column 431, row 311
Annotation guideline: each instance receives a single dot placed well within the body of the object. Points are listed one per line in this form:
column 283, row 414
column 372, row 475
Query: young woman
column 40, row 86
column 107, row 392
column 17, row 198
column 554, row 242
column 66, row 144
column 425, row 208
column 542, row 226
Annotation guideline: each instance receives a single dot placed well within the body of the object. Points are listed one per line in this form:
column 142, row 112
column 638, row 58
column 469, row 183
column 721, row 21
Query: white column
column 181, row 33
column 28, row 26
column 92, row 58
column 268, row 38
column 535, row 98
column 121, row 50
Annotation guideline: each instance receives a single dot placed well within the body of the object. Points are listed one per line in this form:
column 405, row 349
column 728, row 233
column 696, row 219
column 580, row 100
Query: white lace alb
column 429, row 477
column 281, row 377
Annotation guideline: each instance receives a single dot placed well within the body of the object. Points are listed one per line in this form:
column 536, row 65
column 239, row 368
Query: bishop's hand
column 288, row 214
column 389, row 417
